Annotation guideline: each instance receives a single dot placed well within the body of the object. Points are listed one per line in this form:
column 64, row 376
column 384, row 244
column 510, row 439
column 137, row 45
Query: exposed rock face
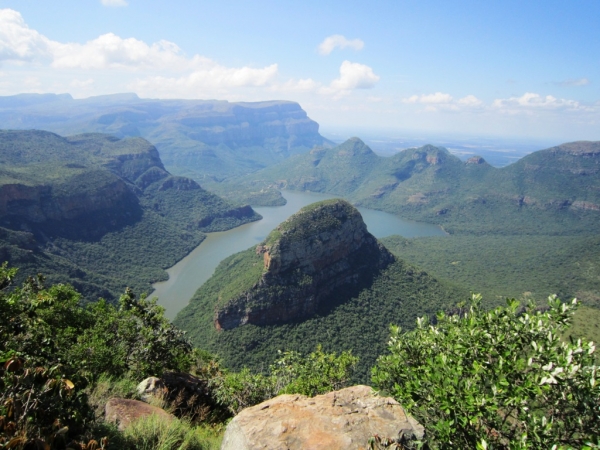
column 84, row 213
column 151, row 387
column 307, row 258
column 124, row 411
column 343, row 420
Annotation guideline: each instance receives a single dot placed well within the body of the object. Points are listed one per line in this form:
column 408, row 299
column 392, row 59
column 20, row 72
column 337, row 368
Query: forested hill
column 318, row 278
column 201, row 139
column 99, row 211
column 553, row 191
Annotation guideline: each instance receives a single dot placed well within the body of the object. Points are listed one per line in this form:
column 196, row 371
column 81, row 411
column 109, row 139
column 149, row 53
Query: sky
column 528, row 69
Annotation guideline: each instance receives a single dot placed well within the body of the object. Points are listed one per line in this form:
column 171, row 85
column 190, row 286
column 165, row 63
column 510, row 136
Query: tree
column 495, row 379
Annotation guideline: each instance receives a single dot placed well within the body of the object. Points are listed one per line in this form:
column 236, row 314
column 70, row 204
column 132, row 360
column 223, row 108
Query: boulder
column 125, row 411
column 151, row 387
column 344, row 419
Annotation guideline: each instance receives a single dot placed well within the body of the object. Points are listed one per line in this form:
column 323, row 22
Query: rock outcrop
column 321, row 249
column 344, row 420
column 123, row 412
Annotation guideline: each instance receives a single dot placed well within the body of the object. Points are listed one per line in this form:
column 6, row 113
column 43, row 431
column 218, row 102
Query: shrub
column 495, row 379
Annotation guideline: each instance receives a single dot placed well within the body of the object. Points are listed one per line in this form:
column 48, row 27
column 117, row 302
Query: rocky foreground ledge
column 344, row 420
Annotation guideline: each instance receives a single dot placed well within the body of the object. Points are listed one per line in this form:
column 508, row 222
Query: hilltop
column 318, row 278
column 553, row 191
column 201, row 139
column 100, row 212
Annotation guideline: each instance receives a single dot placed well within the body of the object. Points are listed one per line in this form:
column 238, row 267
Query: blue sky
column 511, row 68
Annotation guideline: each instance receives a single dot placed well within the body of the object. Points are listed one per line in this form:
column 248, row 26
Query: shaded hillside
column 554, row 191
column 99, row 211
column 318, row 278
column 202, row 139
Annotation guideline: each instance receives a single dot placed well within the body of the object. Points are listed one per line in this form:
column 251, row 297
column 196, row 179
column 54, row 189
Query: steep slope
column 99, row 211
column 319, row 277
column 202, row 139
column 554, row 191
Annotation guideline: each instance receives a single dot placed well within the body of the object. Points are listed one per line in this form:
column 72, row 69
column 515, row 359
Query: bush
column 497, row 379
column 53, row 351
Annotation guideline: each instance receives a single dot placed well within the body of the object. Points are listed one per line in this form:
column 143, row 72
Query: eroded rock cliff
column 322, row 248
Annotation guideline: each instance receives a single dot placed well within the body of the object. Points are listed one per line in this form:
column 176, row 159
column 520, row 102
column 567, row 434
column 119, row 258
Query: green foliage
column 53, row 351
column 495, row 379
column 543, row 193
column 354, row 318
column 138, row 218
column 291, row 373
column 523, row 267
column 153, row 433
column 316, row 374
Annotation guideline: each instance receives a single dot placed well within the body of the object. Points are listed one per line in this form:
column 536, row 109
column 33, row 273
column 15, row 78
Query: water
column 191, row 272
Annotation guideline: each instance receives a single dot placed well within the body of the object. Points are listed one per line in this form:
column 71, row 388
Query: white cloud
column 112, row 51
column 205, row 80
column 431, row 99
column 532, row 101
column 17, row 41
column 470, row 101
column 114, row 3
column 338, row 41
column 354, row 76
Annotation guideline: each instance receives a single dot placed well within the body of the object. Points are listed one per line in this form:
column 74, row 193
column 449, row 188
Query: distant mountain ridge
column 557, row 189
column 198, row 138
column 71, row 205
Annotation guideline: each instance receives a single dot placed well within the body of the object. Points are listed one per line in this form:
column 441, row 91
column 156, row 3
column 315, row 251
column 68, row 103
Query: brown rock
column 307, row 258
column 344, row 419
column 124, row 411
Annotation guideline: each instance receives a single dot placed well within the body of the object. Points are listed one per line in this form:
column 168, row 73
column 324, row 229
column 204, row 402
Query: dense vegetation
column 551, row 192
column 522, row 267
column 355, row 318
column 100, row 212
column 60, row 362
column 496, row 379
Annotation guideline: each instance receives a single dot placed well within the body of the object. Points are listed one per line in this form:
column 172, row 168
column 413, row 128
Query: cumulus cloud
column 354, row 76
column 211, row 77
column 112, row 51
column 114, row 3
column 17, row 41
column 338, row 41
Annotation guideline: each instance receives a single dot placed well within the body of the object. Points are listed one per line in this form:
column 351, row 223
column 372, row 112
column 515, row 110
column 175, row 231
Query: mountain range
column 201, row 139
column 553, row 191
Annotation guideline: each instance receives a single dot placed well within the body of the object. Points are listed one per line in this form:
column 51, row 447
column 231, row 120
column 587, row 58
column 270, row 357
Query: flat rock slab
column 343, row 420
column 125, row 411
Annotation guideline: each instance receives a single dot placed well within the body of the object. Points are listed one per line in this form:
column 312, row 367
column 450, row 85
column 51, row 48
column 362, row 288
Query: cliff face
column 198, row 138
column 323, row 248
column 81, row 187
column 83, row 213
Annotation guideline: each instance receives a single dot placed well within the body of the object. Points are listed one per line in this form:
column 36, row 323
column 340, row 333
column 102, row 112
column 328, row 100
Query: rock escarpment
column 82, row 187
column 316, row 252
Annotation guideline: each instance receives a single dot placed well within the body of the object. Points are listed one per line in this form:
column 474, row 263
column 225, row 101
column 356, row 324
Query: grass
column 152, row 433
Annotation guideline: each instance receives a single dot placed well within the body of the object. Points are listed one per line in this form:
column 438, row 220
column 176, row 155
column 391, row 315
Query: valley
column 191, row 272
column 315, row 249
